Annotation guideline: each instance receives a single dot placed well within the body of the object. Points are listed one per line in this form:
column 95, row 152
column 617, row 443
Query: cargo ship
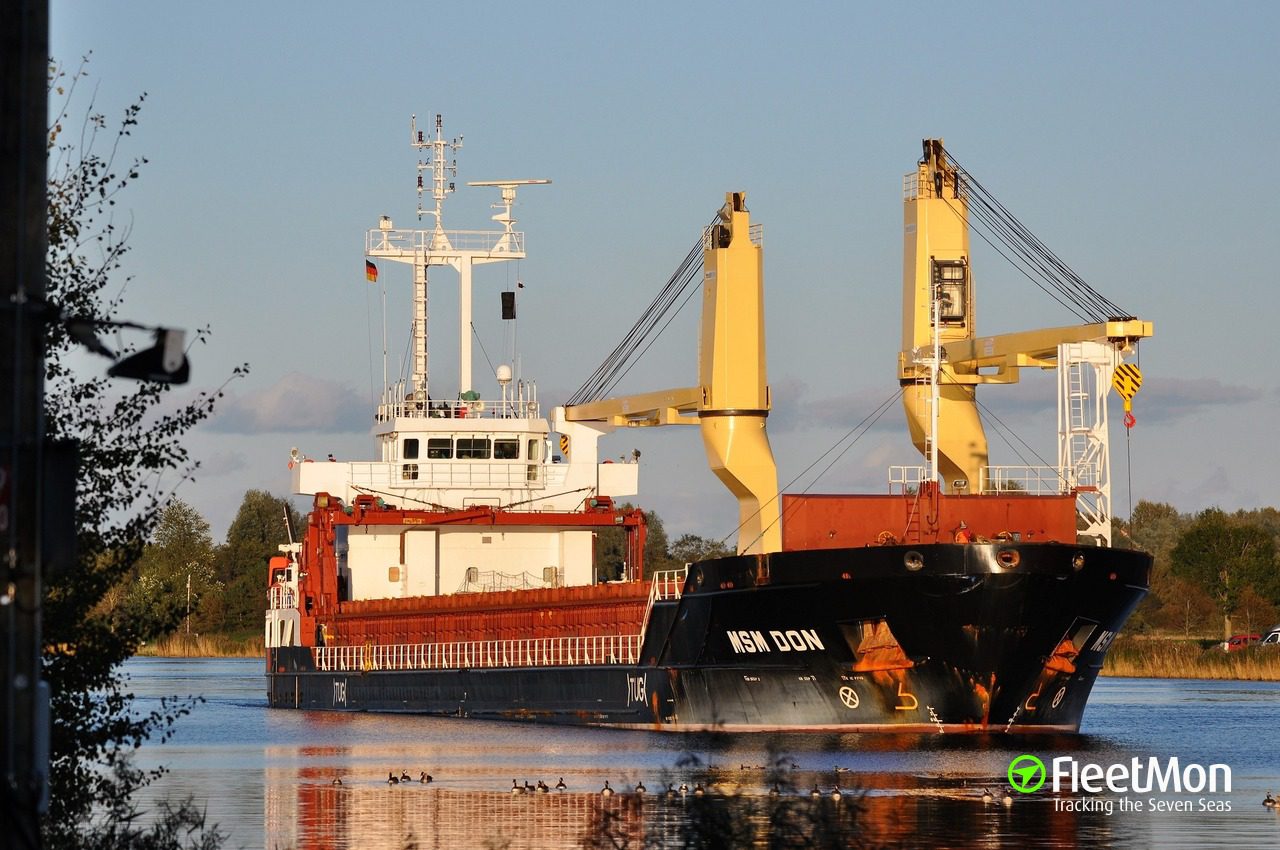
column 461, row 574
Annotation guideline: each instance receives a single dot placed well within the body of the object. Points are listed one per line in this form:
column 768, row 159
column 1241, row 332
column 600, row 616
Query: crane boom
column 1039, row 348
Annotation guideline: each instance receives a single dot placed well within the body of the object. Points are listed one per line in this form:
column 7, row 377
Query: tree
column 252, row 539
column 1224, row 556
column 1182, row 606
column 176, row 571
column 1155, row 528
column 611, row 547
column 131, row 456
column 691, row 547
column 1254, row 613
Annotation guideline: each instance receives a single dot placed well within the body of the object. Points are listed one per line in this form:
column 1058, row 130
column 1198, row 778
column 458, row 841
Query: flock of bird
column 672, row 792
column 541, row 787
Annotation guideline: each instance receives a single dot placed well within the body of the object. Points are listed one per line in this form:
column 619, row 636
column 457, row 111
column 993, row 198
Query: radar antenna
column 508, row 187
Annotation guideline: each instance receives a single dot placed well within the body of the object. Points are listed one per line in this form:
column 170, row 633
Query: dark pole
column 24, row 60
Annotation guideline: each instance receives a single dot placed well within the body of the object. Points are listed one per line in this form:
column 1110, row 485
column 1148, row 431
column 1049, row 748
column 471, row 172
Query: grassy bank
column 1144, row 656
column 209, row 646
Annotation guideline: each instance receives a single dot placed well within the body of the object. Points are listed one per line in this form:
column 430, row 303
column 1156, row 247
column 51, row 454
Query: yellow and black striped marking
column 1127, row 381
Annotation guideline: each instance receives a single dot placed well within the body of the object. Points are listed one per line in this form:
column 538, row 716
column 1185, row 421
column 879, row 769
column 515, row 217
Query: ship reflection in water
column 304, row 810
column 265, row 776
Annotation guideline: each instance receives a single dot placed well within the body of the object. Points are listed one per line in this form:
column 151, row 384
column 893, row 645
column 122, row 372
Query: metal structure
column 731, row 402
column 460, row 249
column 1084, row 456
column 943, row 360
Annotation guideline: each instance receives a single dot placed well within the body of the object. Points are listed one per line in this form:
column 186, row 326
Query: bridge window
column 950, row 278
column 411, row 449
column 439, row 448
column 409, row 471
column 473, row 448
column 506, row 449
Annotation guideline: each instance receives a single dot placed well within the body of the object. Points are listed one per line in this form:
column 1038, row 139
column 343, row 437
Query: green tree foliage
column 611, row 547
column 1155, row 527
column 129, row 437
column 1268, row 518
column 691, row 547
column 1224, row 556
column 253, row 539
column 176, row 569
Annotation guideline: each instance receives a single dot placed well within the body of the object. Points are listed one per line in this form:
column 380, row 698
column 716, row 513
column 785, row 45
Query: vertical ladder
column 1084, row 462
column 420, row 373
column 924, row 411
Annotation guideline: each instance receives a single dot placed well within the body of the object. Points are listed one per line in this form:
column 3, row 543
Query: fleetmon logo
column 1026, row 773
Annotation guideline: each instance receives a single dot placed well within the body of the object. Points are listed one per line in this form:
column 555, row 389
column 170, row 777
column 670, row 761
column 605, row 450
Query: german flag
column 370, row 272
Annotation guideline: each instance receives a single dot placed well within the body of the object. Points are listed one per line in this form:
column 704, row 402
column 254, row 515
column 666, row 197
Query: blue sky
column 1134, row 139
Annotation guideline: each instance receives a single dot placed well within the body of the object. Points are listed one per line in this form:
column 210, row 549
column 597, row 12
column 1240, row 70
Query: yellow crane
column 943, row 359
column 731, row 401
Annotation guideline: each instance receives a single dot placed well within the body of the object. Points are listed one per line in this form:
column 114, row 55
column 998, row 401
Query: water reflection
column 304, row 810
column 265, row 775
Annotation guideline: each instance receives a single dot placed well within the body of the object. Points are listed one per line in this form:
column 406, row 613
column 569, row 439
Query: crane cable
column 677, row 291
column 1033, row 258
column 857, row 432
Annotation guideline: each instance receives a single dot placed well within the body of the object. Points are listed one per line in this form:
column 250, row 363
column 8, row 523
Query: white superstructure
column 458, row 451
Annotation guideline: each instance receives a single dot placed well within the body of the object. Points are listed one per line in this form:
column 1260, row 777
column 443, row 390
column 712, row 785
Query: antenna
column 508, row 187
column 439, row 163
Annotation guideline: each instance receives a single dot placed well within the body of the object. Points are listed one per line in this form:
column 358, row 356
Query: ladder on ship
column 1085, row 370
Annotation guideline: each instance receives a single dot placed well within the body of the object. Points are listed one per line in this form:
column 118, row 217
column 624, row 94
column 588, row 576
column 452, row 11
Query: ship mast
column 442, row 167
column 460, row 249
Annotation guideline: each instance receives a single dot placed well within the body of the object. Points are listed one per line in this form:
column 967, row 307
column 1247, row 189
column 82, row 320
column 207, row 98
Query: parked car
column 1272, row 638
column 1238, row 642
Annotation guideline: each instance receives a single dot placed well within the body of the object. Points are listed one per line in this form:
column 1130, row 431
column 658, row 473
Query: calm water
column 265, row 776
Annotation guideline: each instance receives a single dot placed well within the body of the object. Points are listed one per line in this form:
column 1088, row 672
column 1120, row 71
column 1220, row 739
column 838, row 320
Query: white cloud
column 295, row 403
column 1167, row 399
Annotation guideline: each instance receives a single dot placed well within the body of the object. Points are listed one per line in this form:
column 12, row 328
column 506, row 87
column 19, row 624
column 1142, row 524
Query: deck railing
column 281, row 596
column 1032, row 480
column 401, row 243
column 511, row 408
column 530, row 652
column 666, row 584
column 533, row 652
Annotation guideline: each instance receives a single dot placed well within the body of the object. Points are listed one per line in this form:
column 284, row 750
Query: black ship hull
column 939, row 637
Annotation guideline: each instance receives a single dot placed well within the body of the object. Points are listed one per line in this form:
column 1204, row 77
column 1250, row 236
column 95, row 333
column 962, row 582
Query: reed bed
column 1189, row 658
column 181, row 645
